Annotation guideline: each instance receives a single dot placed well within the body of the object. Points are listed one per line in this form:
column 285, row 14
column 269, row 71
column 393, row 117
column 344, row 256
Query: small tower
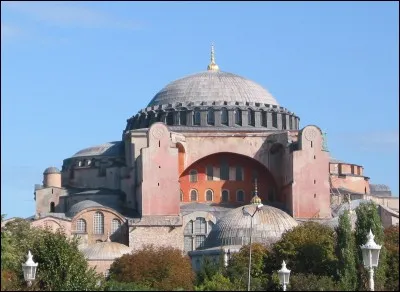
column 52, row 177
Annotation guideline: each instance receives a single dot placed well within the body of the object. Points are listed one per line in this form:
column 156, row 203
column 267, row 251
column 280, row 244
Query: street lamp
column 254, row 201
column 29, row 269
column 370, row 253
column 284, row 275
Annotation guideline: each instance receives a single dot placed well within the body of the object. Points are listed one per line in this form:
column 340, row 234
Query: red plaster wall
column 160, row 186
column 265, row 180
column 354, row 183
column 310, row 164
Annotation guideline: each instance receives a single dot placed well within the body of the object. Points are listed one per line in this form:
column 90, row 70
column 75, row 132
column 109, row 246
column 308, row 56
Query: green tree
column 217, row 282
column 345, row 250
column 311, row 282
column 209, row 268
column 392, row 247
column 308, row 248
column 162, row 268
column 237, row 269
column 369, row 219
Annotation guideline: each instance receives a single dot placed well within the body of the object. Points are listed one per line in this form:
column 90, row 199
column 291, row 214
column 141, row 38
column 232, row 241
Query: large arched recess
column 267, row 187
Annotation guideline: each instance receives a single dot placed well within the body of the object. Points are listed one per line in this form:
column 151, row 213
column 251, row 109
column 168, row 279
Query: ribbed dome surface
column 210, row 86
column 105, row 251
column 268, row 226
column 82, row 205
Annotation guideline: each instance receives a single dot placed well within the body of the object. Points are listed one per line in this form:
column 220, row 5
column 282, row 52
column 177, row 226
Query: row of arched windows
column 196, row 232
column 98, row 224
column 209, row 195
column 224, row 173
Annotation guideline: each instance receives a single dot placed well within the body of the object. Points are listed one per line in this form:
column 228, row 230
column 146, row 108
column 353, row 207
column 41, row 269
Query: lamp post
column 246, row 213
column 29, row 269
column 370, row 253
column 284, row 275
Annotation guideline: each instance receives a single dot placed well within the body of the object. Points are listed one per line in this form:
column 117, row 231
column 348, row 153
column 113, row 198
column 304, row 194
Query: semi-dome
column 211, row 86
column 51, row 169
column 106, row 149
column 269, row 223
column 82, row 205
column 105, row 251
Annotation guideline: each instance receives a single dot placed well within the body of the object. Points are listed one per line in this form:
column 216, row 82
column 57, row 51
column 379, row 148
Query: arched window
column 224, row 175
column 115, row 225
column 193, row 175
column 52, row 207
column 98, row 223
column 209, row 195
column 238, row 117
column 193, row 195
column 196, row 232
column 263, row 118
column 182, row 118
column 225, row 196
column 239, row 173
column 196, row 117
column 170, row 118
column 209, row 172
column 224, row 116
column 210, row 116
column 251, row 117
column 81, row 226
column 274, row 120
column 240, row 196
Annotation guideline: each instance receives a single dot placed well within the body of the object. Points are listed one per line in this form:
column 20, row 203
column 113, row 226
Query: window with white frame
column 193, row 175
column 209, row 195
column 196, row 232
column 98, row 223
column 81, row 225
column 115, row 225
column 193, row 195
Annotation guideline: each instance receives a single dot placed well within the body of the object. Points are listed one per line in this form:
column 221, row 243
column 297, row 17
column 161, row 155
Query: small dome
column 211, row 86
column 106, row 149
column 51, row 169
column 82, row 205
column 268, row 226
column 105, row 251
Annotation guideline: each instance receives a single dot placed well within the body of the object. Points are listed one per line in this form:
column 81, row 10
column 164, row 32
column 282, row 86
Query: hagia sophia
column 204, row 147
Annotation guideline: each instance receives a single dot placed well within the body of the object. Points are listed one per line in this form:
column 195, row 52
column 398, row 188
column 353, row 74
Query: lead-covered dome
column 269, row 223
column 211, row 86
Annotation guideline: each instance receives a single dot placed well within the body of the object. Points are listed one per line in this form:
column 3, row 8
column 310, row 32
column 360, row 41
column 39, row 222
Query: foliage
column 120, row 286
column 9, row 281
column 368, row 219
column 237, row 270
column 217, row 282
column 308, row 248
column 311, row 282
column 163, row 268
column 345, row 250
column 209, row 268
column 392, row 247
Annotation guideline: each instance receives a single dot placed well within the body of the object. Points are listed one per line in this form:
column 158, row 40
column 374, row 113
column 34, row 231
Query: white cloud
column 67, row 14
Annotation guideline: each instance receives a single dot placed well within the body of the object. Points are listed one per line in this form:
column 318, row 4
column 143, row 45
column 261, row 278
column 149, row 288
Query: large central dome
column 211, row 86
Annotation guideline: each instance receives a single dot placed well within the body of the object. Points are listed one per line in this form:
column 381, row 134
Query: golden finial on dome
column 212, row 66
column 256, row 199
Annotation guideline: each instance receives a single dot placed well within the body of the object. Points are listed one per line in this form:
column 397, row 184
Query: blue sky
column 73, row 72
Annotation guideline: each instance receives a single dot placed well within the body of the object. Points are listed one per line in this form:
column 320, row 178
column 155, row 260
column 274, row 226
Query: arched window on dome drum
column 193, row 175
column 210, row 116
column 170, row 118
column 238, row 117
column 263, row 118
column 209, row 172
column 196, row 232
column 274, row 120
column 224, row 116
column 81, row 225
column 182, row 118
column 240, row 196
column 251, row 117
column 209, row 195
column 115, row 225
column 98, row 223
column 196, row 117
column 225, row 196
column 193, row 195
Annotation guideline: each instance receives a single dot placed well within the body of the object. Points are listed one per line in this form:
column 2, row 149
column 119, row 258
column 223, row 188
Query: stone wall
column 156, row 235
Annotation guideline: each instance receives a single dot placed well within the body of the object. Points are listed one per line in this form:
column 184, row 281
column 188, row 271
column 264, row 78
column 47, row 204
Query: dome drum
column 250, row 114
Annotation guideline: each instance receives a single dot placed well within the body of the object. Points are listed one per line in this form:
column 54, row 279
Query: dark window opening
column 225, row 196
column 238, row 117
column 182, row 118
column 224, row 116
column 170, row 118
column 251, row 117
column 52, row 207
column 210, row 117
column 196, row 117
column 263, row 118
column 224, row 175
column 209, row 171
column 275, row 120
